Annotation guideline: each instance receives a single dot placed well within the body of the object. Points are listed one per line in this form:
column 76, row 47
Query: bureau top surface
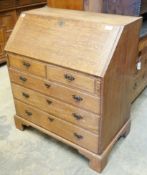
column 81, row 41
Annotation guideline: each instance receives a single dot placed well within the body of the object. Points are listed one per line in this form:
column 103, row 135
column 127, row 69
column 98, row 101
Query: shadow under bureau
column 70, row 73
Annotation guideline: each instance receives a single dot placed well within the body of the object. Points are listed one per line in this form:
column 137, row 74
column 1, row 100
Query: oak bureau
column 70, row 73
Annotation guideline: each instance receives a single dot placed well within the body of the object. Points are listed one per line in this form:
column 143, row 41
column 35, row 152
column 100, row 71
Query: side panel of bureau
column 118, row 79
column 57, row 126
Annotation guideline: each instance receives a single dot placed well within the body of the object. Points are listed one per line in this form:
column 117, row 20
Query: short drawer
column 64, row 129
column 27, row 65
column 74, row 79
column 57, row 91
column 59, row 109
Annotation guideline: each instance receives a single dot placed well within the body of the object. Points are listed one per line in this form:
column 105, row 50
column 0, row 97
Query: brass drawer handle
column 47, row 85
column 23, row 79
column 77, row 116
column 25, row 95
column 49, row 102
column 69, row 77
column 51, row 119
column 28, row 113
column 77, row 98
column 78, row 136
column 27, row 65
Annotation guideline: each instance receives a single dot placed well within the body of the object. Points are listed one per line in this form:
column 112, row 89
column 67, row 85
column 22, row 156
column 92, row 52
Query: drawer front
column 68, row 95
column 58, row 126
column 71, row 78
column 27, row 65
column 67, row 112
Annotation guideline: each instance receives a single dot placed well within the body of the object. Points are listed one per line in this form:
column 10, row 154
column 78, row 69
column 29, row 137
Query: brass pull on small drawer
column 23, row 79
column 69, row 77
column 28, row 113
column 51, row 119
column 77, row 98
column 25, row 95
column 27, row 65
column 77, row 116
column 78, row 136
column 49, row 102
column 47, row 85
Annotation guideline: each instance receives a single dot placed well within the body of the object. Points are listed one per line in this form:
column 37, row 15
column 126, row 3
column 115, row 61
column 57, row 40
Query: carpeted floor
column 33, row 153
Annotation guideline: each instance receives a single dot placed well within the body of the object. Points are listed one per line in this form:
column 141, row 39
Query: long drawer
column 58, row 126
column 66, row 94
column 59, row 109
column 27, row 65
